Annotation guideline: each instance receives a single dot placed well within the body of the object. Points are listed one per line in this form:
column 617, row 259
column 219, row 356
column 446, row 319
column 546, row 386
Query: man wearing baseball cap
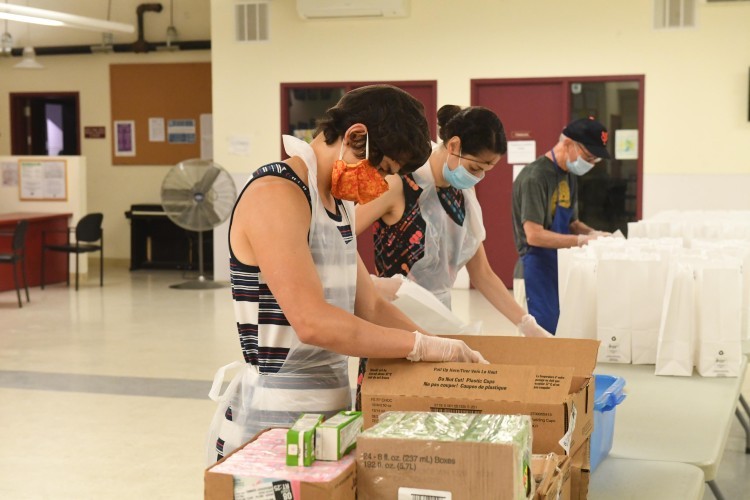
column 545, row 214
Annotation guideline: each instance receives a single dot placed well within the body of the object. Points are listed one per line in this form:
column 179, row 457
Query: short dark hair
column 395, row 122
column 479, row 129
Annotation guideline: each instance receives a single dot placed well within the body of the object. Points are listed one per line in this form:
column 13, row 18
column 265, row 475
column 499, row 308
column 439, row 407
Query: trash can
column 608, row 394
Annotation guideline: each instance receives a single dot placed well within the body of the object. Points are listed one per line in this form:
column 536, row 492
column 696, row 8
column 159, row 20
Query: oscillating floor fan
column 198, row 195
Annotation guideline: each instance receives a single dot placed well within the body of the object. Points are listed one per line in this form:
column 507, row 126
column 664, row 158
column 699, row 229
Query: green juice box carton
column 337, row 436
column 300, row 440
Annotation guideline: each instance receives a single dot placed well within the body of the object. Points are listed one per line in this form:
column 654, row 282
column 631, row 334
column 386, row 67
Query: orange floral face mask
column 358, row 182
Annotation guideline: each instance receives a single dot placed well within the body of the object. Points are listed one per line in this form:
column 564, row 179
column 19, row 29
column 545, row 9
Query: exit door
column 537, row 110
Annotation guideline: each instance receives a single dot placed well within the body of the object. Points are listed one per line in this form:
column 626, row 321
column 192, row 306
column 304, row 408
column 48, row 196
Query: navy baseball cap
column 591, row 134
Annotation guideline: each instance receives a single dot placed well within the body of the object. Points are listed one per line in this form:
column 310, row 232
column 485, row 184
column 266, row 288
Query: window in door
column 44, row 124
column 608, row 194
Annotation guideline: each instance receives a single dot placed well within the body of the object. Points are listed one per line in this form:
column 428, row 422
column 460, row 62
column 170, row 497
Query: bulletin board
column 42, row 180
column 157, row 111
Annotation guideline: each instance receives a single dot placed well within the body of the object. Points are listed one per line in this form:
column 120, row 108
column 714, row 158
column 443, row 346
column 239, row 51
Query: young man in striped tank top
column 303, row 299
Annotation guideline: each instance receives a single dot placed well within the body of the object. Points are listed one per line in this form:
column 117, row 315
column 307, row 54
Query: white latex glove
column 434, row 348
column 387, row 287
column 585, row 238
column 599, row 234
column 529, row 327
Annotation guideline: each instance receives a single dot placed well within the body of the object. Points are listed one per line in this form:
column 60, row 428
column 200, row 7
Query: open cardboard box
column 549, row 379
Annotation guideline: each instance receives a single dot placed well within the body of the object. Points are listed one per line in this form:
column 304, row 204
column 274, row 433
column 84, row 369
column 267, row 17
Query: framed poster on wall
column 42, row 180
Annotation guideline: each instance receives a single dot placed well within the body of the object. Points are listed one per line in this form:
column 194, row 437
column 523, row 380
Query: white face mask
column 580, row 166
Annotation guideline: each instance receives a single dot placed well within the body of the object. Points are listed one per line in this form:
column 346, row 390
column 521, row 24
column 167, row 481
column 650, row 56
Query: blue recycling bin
column 608, row 394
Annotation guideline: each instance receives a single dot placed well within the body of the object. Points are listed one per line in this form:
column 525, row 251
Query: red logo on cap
column 604, row 137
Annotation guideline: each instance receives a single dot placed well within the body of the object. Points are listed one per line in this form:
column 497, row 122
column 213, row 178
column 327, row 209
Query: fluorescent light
column 54, row 18
column 29, row 19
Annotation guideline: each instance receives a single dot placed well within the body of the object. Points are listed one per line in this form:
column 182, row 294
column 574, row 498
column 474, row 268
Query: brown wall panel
column 171, row 91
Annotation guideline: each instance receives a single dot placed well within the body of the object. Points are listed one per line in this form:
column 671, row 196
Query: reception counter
column 38, row 222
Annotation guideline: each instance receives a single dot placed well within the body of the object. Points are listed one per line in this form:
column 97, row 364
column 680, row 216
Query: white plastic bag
column 426, row 310
column 228, row 429
column 674, row 353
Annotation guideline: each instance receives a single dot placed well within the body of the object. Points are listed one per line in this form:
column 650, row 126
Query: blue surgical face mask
column 460, row 178
column 580, row 166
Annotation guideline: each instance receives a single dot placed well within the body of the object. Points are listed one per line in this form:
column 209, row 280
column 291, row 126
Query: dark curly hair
column 478, row 127
column 395, row 122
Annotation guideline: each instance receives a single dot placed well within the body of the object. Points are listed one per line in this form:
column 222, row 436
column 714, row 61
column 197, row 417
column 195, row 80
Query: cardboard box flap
column 535, row 384
column 503, row 350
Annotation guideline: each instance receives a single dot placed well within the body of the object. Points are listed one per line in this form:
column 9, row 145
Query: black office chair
column 17, row 254
column 87, row 231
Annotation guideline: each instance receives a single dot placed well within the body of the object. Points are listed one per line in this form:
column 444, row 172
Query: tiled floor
column 103, row 392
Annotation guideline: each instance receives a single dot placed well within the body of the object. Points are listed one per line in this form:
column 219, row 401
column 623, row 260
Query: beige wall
column 109, row 189
column 696, row 118
column 696, row 80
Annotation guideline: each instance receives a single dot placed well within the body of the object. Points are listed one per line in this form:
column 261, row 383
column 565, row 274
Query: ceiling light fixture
column 53, row 18
column 29, row 59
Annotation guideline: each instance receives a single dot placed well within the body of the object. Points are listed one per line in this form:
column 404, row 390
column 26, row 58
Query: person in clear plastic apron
column 545, row 213
column 428, row 226
column 303, row 300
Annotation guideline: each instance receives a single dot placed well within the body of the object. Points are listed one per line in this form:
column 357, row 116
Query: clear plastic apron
column 312, row 379
column 448, row 246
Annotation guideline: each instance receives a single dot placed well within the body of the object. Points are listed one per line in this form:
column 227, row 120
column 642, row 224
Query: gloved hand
column 529, row 327
column 387, row 287
column 585, row 238
column 434, row 348
column 599, row 234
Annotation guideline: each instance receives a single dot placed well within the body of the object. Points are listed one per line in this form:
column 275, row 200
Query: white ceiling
column 192, row 18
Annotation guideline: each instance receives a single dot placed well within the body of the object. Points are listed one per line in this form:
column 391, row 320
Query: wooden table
column 55, row 261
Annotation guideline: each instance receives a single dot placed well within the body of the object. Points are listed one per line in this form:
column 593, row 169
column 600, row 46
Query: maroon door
column 424, row 91
column 530, row 110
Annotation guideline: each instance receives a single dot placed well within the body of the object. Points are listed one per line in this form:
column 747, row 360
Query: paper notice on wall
column 156, row 130
column 626, row 144
column 207, row 136
column 43, row 180
column 239, row 145
column 181, row 131
column 124, row 137
column 9, row 173
column 521, row 152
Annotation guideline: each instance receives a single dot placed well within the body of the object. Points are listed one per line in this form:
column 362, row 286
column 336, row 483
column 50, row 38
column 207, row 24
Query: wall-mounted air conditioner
column 317, row 9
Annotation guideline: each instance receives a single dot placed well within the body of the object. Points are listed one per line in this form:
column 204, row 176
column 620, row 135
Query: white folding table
column 625, row 479
column 674, row 419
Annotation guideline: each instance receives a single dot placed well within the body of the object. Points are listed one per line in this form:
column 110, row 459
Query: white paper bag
column 630, row 293
column 719, row 347
column 578, row 304
column 674, row 352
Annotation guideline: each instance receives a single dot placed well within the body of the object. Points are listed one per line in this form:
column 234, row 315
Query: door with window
column 536, row 110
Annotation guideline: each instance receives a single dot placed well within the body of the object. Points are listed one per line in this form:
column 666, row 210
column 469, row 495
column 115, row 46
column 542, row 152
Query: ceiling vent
column 322, row 9
column 674, row 14
column 251, row 21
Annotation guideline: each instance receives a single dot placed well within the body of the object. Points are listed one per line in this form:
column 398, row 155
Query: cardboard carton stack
column 444, row 455
column 549, row 379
